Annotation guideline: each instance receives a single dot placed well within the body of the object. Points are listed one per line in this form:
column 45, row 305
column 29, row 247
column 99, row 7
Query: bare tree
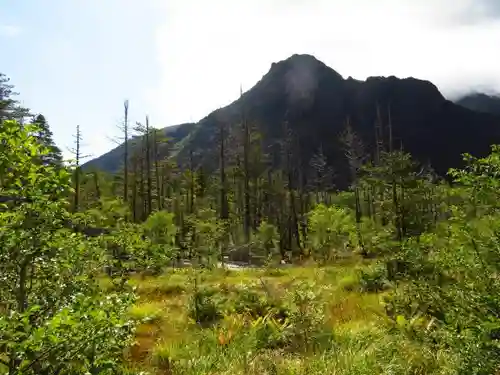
column 246, row 175
column 354, row 151
column 148, row 168
column 292, row 219
column 125, row 151
column 224, row 204
column 77, row 152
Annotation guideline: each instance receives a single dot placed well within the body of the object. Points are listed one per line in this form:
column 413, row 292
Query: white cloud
column 207, row 48
column 9, row 31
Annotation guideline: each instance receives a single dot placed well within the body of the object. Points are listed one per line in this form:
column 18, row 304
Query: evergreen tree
column 44, row 137
column 9, row 107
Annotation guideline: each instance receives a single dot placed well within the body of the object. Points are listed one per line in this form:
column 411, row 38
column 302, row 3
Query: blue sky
column 75, row 61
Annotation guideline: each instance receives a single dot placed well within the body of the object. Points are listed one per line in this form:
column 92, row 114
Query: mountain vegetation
column 310, row 227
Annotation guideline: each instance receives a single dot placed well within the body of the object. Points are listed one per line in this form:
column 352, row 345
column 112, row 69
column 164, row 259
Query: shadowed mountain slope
column 314, row 102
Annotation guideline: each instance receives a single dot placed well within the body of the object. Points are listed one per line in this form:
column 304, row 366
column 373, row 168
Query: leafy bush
column 378, row 240
column 209, row 234
column 146, row 248
column 160, row 231
column 203, row 308
column 255, row 305
column 459, row 300
column 298, row 326
column 160, row 228
column 267, row 240
column 374, row 279
column 128, row 250
column 251, row 303
column 330, row 231
column 452, row 279
column 53, row 316
column 110, row 213
column 270, row 333
column 306, row 322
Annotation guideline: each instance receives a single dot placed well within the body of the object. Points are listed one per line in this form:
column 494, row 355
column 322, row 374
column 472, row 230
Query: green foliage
column 147, row 248
column 44, row 137
column 160, row 232
column 146, row 312
column 294, row 322
column 451, row 275
column 267, row 240
column 53, row 317
column 481, row 179
column 306, row 321
column 378, row 239
column 110, row 213
column 330, row 230
column 9, row 107
column 374, row 279
column 203, row 308
column 160, row 228
column 453, row 285
column 209, row 233
column 257, row 305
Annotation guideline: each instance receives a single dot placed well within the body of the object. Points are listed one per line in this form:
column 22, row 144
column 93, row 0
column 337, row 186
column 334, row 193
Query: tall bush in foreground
column 53, row 318
column 451, row 286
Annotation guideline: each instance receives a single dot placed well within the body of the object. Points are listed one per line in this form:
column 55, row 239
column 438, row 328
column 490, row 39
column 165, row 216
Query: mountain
column 315, row 101
column 112, row 161
column 481, row 103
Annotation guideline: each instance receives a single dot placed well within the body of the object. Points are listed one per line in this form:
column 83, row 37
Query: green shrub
column 374, row 279
column 267, row 241
column 378, row 240
column 54, row 318
column 255, row 305
column 203, row 309
column 330, row 231
column 306, row 323
column 270, row 333
column 450, row 280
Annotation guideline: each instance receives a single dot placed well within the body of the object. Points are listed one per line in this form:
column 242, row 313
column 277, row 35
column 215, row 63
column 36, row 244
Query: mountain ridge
column 481, row 102
column 315, row 101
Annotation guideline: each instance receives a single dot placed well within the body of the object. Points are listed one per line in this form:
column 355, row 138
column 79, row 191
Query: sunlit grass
column 353, row 307
column 147, row 312
column 356, row 337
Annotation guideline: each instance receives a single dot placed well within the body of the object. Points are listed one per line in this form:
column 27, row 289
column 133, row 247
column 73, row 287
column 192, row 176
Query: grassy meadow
column 297, row 320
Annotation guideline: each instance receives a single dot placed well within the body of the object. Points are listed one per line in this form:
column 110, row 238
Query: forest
column 256, row 266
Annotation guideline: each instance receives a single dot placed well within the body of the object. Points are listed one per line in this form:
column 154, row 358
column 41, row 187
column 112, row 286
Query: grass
column 148, row 312
column 299, row 320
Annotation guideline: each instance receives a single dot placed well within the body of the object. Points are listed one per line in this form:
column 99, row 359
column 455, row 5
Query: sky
column 76, row 61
